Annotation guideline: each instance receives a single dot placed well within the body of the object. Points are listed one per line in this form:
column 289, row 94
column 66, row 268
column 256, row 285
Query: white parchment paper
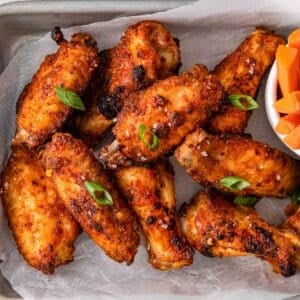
column 208, row 30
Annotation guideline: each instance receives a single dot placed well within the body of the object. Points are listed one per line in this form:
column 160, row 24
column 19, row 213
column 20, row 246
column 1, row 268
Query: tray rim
column 92, row 6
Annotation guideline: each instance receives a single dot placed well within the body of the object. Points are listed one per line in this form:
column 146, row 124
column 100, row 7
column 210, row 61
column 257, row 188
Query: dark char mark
column 109, row 105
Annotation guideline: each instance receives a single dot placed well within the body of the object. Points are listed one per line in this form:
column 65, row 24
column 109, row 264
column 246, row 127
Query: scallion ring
column 234, row 183
column 142, row 131
column 99, row 193
column 246, row 200
column 235, row 100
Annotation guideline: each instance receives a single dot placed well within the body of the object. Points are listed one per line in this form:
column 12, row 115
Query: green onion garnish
column 143, row 129
column 69, row 98
column 296, row 197
column 246, row 201
column 234, row 183
column 99, row 193
column 235, row 100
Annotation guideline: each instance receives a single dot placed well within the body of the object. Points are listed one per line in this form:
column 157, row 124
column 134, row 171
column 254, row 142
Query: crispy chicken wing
column 241, row 73
column 112, row 228
column 40, row 113
column 150, row 192
column 210, row 158
column 43, row 228
column 216, row 227
column 147, row 52
column 167, row 111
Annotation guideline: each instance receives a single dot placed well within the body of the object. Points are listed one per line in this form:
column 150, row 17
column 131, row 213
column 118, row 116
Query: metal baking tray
column 20, row 21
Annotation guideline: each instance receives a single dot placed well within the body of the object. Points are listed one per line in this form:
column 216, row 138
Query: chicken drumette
column 241, row 73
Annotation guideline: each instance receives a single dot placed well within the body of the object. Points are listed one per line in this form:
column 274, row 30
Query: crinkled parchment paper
column 208, row 30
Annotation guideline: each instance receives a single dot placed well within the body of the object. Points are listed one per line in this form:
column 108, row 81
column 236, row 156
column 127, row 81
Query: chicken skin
column 209, row 158
column 40, row 113
column 112, row 227
column 147, row 52
column 156, row 120
column 43, row 228
column 241, row 73
column 150, row 193
column 293, row 220
column 216, row 227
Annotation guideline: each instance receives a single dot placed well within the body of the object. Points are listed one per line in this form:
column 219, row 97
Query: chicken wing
column 216, row 227
column 154, row 121
column 71, row 165
column 147, row 52
column 43, row 228
column 40, row 113
column 150, row 192
column 241, row 73
column 208, row 159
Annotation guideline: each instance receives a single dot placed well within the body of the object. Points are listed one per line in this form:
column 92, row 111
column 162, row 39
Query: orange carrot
column 287, row 123
column 293, row 138
column 289, row 103
column 287, row 68
column 294, row 39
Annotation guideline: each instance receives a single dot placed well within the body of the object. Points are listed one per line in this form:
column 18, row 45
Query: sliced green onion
column 235, row 100
column 234, row 183
column 143, row 129
column 99, row 193
column 296, row 197
column 246, row 201
column 69, row 98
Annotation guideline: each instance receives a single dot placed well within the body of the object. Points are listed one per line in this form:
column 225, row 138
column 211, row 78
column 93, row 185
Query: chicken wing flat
column 150, row 192
column 216, row 227
column 147, row 52
column 241, row 73
column 43, row 228
column 154, row 121
column 40, row 113
column 208, row 159
column 71, row 165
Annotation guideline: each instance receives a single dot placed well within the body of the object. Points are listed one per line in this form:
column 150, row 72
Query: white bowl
column 270, row 99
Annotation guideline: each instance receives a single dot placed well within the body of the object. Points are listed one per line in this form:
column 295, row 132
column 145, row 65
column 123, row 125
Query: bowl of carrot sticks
column 282, row 93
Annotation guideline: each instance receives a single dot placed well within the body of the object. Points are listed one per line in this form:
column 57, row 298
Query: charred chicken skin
column 216, row 227
column 241, row 73
column 209, row 158
column 112, row 228
column 150, row 193
column 43, row 228
column 156, row 120
column 147, row 52
column 40, row 112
